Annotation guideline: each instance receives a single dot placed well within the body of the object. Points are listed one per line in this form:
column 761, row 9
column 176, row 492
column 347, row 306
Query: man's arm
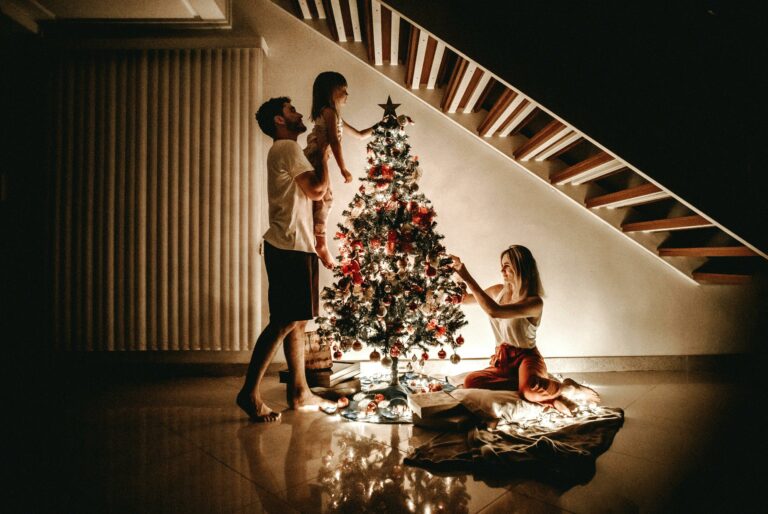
column 314, row 183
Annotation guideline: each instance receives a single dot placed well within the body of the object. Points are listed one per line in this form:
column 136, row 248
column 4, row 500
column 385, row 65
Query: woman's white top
column 518, row 332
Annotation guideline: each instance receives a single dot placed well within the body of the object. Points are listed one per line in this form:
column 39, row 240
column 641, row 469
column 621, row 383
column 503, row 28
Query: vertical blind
column 158, row 200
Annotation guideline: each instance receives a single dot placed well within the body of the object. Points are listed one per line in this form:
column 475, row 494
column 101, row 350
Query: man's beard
column 296, row 126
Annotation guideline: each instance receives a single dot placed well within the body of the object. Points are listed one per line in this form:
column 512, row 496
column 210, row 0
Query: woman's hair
column 526, row 268
column 322, row 91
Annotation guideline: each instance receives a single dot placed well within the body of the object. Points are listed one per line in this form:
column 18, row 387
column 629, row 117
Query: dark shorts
column 293, row 284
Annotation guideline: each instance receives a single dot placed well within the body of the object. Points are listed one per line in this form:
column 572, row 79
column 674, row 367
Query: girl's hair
column 525, row 265
column 322, row 91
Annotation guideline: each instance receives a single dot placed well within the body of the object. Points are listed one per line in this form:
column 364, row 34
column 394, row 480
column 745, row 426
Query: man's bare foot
column 579, row 393
column 323, row 254
column 257, row 410
column 308, row 401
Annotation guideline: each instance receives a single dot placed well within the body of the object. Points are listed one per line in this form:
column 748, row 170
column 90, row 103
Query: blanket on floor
column 523, row 440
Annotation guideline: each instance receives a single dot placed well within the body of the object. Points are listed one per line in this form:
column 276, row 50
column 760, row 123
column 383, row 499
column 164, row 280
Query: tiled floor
column 180, row 445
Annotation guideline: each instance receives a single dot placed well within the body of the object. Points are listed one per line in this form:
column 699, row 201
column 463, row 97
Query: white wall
column 605, row 295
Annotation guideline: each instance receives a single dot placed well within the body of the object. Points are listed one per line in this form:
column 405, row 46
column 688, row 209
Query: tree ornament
column 425, row 356
column 455, row 359
column 460, row 340
column 386, row 361
column 357, row 346
column 338, row 355
column 375, row 356
column 442, row 353
column 394, row 351
column 342, row 402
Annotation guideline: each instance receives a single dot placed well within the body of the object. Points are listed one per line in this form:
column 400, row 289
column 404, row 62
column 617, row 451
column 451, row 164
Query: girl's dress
column 318, row 145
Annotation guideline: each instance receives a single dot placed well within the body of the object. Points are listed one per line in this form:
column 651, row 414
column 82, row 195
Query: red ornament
column 440, row 331
column 431, row 272
column 460, row 340
column 342, row 402
column 394, row 351
column 425, row 356
column 357, row 346
column 350, row 267
column 413, row 306
column 378, row 397
column 442, row 354
column 371, row 408
column 337, row 355
column 431, row 325
column 391, row 242
column 357, row 278
column 340, row 235
column 375, row 356
column 374, row 242
column 386, row 172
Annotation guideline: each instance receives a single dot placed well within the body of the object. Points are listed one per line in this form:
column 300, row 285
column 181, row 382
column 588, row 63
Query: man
column 290, row 258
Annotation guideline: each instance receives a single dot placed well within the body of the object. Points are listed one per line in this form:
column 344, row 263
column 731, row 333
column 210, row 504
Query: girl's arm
column 530, row 307
column 359, row 134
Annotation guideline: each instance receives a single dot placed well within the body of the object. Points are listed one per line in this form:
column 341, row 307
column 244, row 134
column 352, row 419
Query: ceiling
column 30, row 13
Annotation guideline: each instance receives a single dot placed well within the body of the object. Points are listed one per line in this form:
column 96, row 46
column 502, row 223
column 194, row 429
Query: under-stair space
column 535, row 139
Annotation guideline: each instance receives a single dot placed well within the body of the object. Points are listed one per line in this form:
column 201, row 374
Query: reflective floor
column 181, row 445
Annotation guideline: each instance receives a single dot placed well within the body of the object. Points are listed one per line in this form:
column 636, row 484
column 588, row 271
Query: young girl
column 329, row 93
column 514, row 308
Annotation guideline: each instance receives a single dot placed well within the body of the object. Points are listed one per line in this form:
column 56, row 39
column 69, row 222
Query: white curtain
column 158, row 199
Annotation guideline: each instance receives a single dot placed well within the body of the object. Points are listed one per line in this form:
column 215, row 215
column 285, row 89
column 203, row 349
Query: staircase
column 536, row 139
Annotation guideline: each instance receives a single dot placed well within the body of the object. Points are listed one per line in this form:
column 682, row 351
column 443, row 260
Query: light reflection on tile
column 358, row 472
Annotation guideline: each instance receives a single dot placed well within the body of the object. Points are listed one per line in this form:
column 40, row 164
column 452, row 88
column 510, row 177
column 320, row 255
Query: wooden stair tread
column 679, row 223
column 707, row 251
column 581, row 167
column 721, row 278
column 626, row 197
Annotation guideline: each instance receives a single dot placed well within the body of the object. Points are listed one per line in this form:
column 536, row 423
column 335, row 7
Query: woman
column 514, row 308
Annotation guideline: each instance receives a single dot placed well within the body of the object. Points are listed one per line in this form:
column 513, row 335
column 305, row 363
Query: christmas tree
column 395, row 290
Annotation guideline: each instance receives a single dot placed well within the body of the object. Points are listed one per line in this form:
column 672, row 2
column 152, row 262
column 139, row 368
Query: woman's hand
column 347, row 175
column 458, row 266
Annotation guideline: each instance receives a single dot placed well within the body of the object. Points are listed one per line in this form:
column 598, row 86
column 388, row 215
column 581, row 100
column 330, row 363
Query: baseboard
column 225, row 363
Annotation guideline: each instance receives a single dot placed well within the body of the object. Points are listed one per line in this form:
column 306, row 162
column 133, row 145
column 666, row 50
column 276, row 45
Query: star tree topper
column 389, row 107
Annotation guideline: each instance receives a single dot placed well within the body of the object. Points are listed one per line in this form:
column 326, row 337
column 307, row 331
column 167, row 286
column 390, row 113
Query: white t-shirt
column 290, row 210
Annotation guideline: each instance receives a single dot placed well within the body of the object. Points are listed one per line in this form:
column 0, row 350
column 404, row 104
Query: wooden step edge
column 633, row 196
column 707, row 251
column 679, row 223
column 721, row 278
column 538, row 139
column 581, row 167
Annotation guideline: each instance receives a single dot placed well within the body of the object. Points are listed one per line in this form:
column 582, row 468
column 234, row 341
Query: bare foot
column 324, row 255
column 579, row 393
column 256, row 409
column 309, row 402
column 564, row 406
